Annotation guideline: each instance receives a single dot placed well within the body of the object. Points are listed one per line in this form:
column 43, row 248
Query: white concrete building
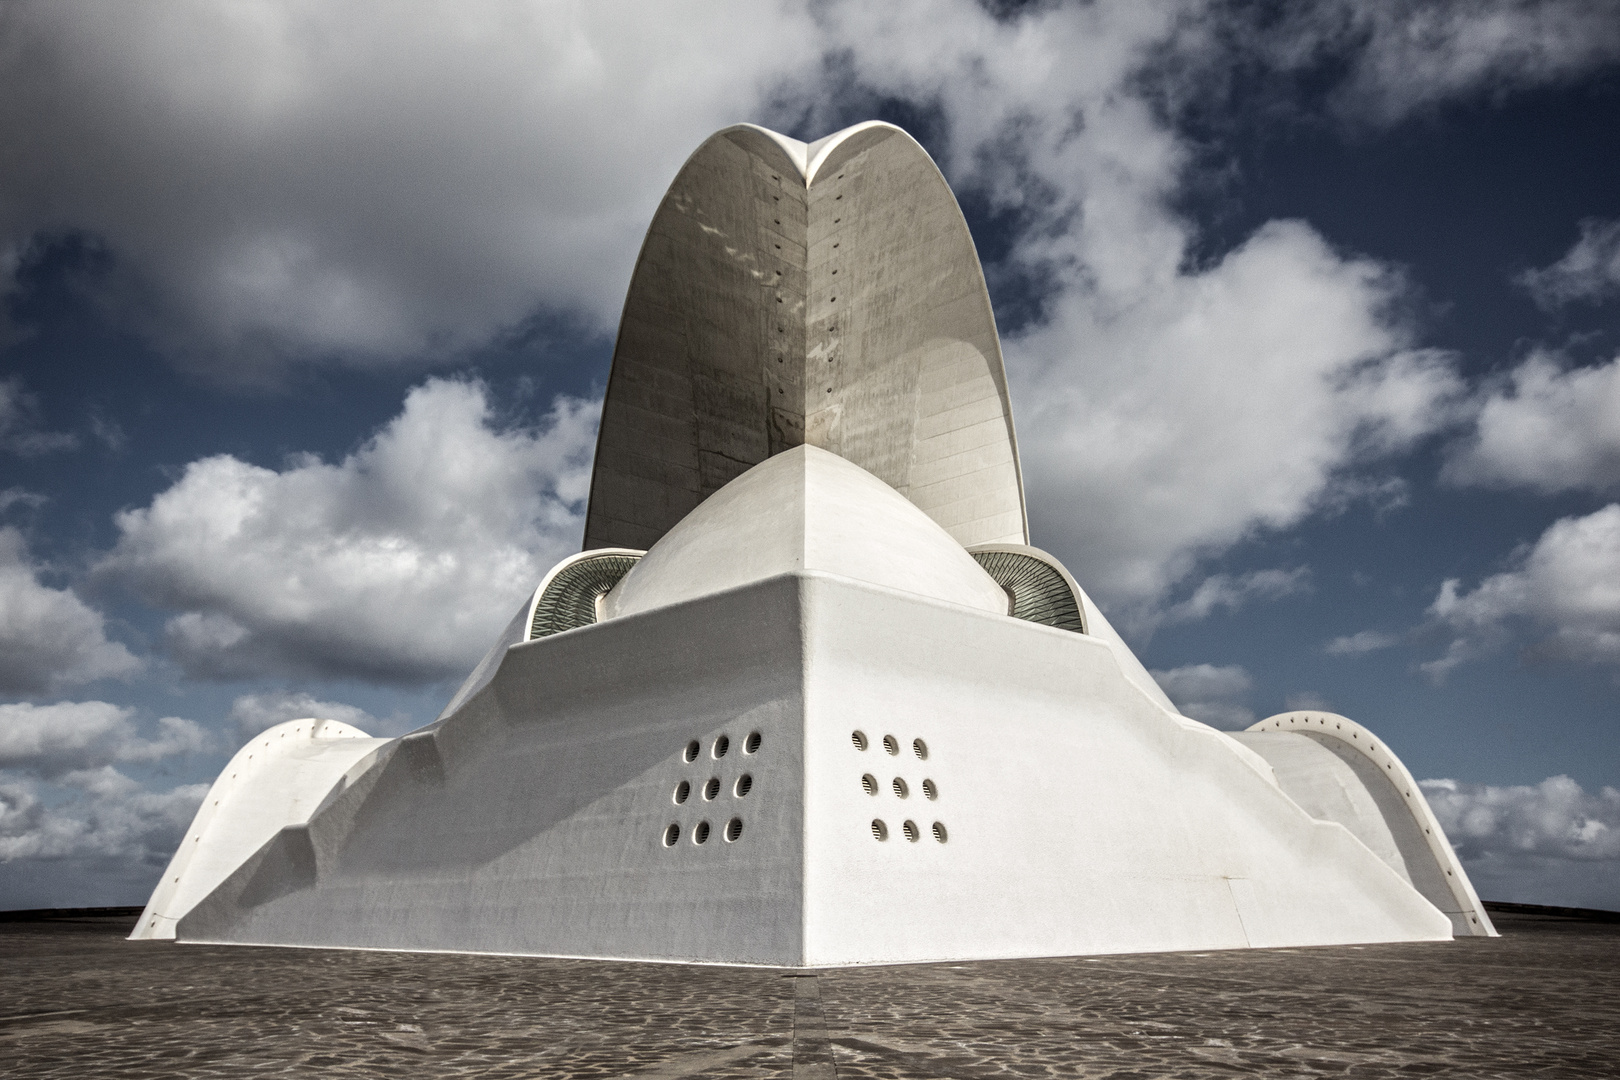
column 808, row 697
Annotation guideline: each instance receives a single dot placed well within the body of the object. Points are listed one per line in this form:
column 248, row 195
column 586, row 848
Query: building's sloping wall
column 766, row 312
column 278, row 779
column 533, row 820
column 1337, row 770
column 1079, row 817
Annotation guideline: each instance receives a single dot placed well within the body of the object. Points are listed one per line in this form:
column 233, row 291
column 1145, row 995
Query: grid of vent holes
column 709, row 790
column 900, row 788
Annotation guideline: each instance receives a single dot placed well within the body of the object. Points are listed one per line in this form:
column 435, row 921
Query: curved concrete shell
column 1337, row 770
column 787, row 294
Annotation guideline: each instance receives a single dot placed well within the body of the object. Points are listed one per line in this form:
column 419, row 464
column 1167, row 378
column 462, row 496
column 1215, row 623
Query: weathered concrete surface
column 848, row 313
column 78, row 1002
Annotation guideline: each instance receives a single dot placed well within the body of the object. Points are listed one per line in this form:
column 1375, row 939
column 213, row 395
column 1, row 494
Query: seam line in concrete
column 812, row 1053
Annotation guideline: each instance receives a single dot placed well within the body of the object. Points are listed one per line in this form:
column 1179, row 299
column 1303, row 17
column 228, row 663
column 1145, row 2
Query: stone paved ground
column 77, row 1001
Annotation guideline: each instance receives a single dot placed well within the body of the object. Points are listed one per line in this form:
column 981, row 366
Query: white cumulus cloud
column 1564, row 588
column 1360, row 643
column 1546, row 843
column 1210, row 693
column 1554, row 818
column 1411, row 54
column 49, row 638
column 252, row 713
column 105, row 814
column 20, row 430
column 1548, row 428
column 399, row 563
column 294, row 178
column 1588, row 271
column 70, row 736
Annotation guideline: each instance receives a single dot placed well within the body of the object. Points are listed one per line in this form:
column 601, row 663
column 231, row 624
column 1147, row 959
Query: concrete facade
column 836, row 711
column 826, row 295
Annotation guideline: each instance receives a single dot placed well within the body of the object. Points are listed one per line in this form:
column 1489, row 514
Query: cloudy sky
column 1311, row 312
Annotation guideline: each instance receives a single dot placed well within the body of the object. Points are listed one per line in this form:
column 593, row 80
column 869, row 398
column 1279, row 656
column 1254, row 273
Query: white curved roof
column 805, row 509
column 827, row 294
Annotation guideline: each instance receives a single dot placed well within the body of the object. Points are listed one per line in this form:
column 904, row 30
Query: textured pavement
column 78, row 1001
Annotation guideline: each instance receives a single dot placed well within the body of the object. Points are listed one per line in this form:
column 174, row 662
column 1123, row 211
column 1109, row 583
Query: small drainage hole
column 919, row 748
column 891, row 744
column 672, row 834
column 733, row 830
column 869, row 782
column 939, row 832
column 711, row 789
column 751, row 744
column 859, row 739
column 692, row 750
column 721, row 745
column 909, row 828
column 683, row 791
column 700, row 835
column 900, row 789
column 745, row 784
column 930, row 789
column 880, row 831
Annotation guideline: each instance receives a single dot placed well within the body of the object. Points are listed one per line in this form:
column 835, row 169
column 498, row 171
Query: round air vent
column 733, row 830
column 683, row 791
column 744, row 785
column 700, row 835
column 919, row 748
column 909, row 828
column 721, row 745
column 672, row 834
column 930, row 789
column 859, row 739
column 869, row 782
column 880, row 831
column 939, row 832
column 712, row 789
column 891, row 744
column 751, row 744
column 900, row 788
column 692, row 750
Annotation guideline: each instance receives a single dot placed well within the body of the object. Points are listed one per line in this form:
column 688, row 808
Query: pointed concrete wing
column 827, row 294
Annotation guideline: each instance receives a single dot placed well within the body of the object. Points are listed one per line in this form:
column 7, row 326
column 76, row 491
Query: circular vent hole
column 909, row 828
column 930, row 789
column 721, row 745
column 919, row 748
column 733, row 830
column 880, row 831
column 712, row 788
column 745, row 784
column 891, row 744
column 700, row 835
column 672, row 834
column 683, row 791
column 692, row 750
column 900, row 789
column 869, row 782
column 751, row 744
column 939, row 832
column 859, row 739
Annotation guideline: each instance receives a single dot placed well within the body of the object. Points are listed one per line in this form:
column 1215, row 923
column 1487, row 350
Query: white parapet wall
column 277, row 779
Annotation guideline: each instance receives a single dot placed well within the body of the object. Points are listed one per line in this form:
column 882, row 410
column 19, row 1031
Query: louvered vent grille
column 570, row 600
column 1039, row 592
